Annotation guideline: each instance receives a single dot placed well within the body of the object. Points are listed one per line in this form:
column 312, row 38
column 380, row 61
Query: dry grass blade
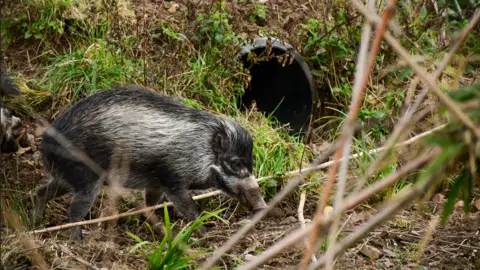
column 348, row 127
column 428, row 235
column 301, row 218
column 14, row 222
column 361, row 77
column 322, row 225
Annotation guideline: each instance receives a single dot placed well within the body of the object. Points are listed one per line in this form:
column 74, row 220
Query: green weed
column 275, row 152
column 40, row 19
column 213, row 84
column 259, row 14
column 215, row 31
column 171, row 252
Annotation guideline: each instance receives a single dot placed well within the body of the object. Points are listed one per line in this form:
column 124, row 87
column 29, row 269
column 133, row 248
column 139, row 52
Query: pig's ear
column 219, row 144
column 215, row 170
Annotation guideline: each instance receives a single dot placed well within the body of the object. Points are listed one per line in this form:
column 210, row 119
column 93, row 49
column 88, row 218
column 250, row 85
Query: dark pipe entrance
column 285, row 91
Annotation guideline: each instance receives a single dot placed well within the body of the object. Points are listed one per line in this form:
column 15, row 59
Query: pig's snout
column 253, row 195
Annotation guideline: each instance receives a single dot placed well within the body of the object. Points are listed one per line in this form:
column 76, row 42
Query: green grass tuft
column 89, row 70
column 171, row 252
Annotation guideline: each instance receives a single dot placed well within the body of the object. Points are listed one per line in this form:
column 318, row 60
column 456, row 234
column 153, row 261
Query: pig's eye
column 235, row 165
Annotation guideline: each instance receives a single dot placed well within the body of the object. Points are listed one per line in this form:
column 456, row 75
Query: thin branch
column 427, row 237
column 325, row 222
column 374, row 18
column 14, row 222
column 348, row 127
column 301, row 218
column 361, row 80
column 79, row 259
column 256, row 218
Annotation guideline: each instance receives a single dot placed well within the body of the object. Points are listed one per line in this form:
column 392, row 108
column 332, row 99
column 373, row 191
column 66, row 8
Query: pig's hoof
column 76, row 234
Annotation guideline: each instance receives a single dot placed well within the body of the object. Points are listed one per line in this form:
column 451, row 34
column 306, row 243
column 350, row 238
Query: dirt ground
column 454, row 245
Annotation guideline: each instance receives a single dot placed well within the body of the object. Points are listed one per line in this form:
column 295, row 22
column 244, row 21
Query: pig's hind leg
column 154, row 197
column 88, row 186
column 55, row 188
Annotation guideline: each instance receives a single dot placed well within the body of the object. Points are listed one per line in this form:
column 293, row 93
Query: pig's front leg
column 185, row 205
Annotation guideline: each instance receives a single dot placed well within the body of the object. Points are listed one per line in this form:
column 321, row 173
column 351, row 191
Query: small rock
column 371, row 252
column 241, row 223
column 39, row 131
column 36, row 156
column 308, row 221
column 288, row 220
column 327, row 209
column 389, row 253
column 438, row 198
column 459, row 205
column 360, row 216
column 275, row 213
column 476, row 204
column 388, row 264
column 173, row 8
column 250, row 257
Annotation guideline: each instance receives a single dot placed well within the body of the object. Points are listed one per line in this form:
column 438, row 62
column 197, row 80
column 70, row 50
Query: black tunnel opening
column 284, row 90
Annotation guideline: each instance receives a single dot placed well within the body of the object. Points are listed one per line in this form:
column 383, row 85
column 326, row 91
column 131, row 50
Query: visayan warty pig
column 171, row 148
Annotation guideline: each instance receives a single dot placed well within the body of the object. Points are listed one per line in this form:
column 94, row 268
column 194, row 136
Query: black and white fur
column 171, row 148
column 10, row 125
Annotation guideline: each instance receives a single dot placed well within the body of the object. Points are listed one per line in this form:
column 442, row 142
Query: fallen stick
column 301, row 219
column 217, row 192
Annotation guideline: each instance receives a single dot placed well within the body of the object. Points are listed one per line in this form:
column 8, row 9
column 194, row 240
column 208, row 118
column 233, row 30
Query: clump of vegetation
column 259, row 14
column 89, row 69
column 172, row 252
column 275, row 152
column 44, row 19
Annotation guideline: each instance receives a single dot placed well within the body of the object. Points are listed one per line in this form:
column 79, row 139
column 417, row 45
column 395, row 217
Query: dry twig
column 428, row 235
column 79, row 259
column 31, row 248
column 301, row 218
